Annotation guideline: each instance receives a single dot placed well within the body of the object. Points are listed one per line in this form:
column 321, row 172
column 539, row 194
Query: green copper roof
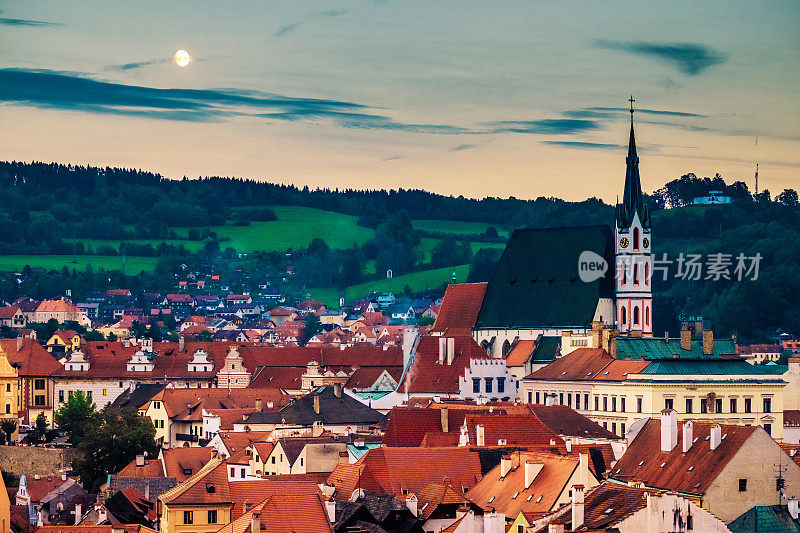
column 657, row 348
column 704, row 366
column 536, row 283
column 547, row 349
column 765, row 519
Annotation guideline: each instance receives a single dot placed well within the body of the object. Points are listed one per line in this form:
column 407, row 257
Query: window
column 537, row 398
column 560, row 398
column 622, row 428
column 668, row 403
column 233, row 472
column 635, row 238
column 596, row 403
column 105, row 392
column 688, row 405
column 273, row 459
column 647, row 316
column 488, row 385
column 530, row 397
column 212, row 516
column 622, row 404
column 605, row 403
column 614, row 428
column 733, row 405
column 635, row 277
column 624, row 321
column 8, row 387
column 188, row 517
column 61, row 396
column 614, row 403
column 718, row 405
column 636, row 314
column 301, row 461
column 638, row 405
column 748, row 405
column 476, row 385
column 569, row 399
column 743, row 485
column 38, row 384
column 187, row 471
column 8, row 408
column 586, row 401
column 243, row 473
column 89, row 394
column 647, row 282
column 767, row 405
column 38, row 400
column 69, row 395
column 768, row 429
column 501, row 384
column 703, row 405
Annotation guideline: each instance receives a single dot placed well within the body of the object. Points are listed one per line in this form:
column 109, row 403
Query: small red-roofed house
column 459, row 310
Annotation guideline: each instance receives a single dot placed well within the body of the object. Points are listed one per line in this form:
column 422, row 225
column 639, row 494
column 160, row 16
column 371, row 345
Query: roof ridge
column 192, row 481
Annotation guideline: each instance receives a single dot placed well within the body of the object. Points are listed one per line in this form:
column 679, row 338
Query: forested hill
column 109, row 212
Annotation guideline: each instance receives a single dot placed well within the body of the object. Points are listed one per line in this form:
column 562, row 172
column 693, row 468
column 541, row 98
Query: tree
column 204, row 336
column 40, row 429
column 788, row 197
column 8, row 426
column 311, row 326
column 76, row 416
column 93, row 335
column 115, row 438
column 111, row 337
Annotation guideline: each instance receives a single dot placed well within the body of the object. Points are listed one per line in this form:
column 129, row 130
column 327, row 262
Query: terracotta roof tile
column 520, row 353
column 183, row 463
column 460, row 307
column 564, row 420
column 152, row 468
column 581, row 364
column 643, row 460
column 428, row 376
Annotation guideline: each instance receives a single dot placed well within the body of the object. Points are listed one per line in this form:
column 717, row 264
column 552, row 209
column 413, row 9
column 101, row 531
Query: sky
column 460, row 97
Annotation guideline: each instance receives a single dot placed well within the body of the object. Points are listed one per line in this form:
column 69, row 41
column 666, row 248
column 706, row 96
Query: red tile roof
column 183, row 463
column 605, row 506
column 8, row 312
column 582, row 364
column 460, row 307
column 400, row 471
column 32, row 359
column 516, row 430
column 643, row 460
column 564, row 420
column 760, row 348
column 428, row 376
column 520, row 353
column 152, row 468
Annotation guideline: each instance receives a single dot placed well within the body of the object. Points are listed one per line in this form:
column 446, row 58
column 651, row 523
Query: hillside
column 89, row 228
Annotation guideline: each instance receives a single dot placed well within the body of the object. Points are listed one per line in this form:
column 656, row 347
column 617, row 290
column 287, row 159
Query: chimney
column 494, row 522
column 442, row 349
column 451, row 350
column 794, row 508
column 411, row 503
column 330, row 508
column 102, row 515
column 505, row 465
column 78, row 513
column 316, row 403
column 258, row 404
column 479, row 435
column 140, row 460
column 531, row 471
column 577, row 506
column 337, row 390
column 19, row 342
column 568, row 444
column 583, row 468
column 716, row 437
column 181, row 343
column 688, row 435
column 669, row 430
column 686, row 339
column 444, row 413
column 666, row 336
column 147, row 491
column 255, row 521
column 708, row 342
column 612, row 347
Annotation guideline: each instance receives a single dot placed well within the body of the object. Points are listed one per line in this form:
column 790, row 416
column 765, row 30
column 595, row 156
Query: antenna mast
column 756, row 178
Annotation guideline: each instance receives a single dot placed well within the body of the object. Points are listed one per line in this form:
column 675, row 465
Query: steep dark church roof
column 632, row 201
column 536, row 282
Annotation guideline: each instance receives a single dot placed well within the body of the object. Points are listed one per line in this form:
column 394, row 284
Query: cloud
column 391, row 158
column 138, row 64
column 289, row 28
column 689, row 58
column 551, row 126
column 586, row 145
column 461, row 147
column 26, row 22
column 647, row 112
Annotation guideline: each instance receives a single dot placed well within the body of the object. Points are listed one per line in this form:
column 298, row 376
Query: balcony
column 186, row 437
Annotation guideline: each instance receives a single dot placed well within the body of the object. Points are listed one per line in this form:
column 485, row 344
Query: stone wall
column 33, row 460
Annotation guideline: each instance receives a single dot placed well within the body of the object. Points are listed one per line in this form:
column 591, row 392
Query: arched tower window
column 647, row 315
column 635, row 238
column 624, row 316
column 647, row 273
column 635, row 274
column 506, row 348
column 624, row 273
column 636, row 316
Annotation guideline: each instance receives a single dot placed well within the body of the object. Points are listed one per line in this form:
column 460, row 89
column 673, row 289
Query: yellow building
column 63, row 341
column 9, row 393
column 5, row 509
column 615, row 393
column 200, row 504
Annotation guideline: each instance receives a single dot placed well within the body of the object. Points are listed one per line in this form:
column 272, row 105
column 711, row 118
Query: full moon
column 182, row 58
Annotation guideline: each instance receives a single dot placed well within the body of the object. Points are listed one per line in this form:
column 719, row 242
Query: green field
column 133, row 265
column 418, row 281
column 458, row 227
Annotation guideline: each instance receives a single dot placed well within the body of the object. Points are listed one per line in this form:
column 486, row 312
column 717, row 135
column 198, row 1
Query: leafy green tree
column 8, row 426
column 154, row 332
column 311, row 326
column 93, row 335
column 115, row 438
column 111, row 337
column 40, row 428
column 205, row 336
column 75, row 416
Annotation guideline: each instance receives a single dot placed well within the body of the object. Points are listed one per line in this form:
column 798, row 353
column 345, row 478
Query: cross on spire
column 631, row 100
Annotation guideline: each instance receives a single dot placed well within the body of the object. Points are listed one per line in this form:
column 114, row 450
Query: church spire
column 632, row 200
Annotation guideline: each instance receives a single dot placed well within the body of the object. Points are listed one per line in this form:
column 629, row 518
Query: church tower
column 634, row 266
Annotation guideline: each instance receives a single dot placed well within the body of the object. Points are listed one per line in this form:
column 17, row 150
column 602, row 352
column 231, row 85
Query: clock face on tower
column 623, row 242
column 645, row 242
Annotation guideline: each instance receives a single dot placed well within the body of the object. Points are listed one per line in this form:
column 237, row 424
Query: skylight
column 640, row 464
column 514, row 497
column 491, row 500
column 691, row 468
column 538, row 499
column 662, row 465
column 529, row 498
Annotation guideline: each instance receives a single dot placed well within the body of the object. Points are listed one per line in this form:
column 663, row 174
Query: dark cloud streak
column 26, row 22
column 289, row 28
column 689, row 58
